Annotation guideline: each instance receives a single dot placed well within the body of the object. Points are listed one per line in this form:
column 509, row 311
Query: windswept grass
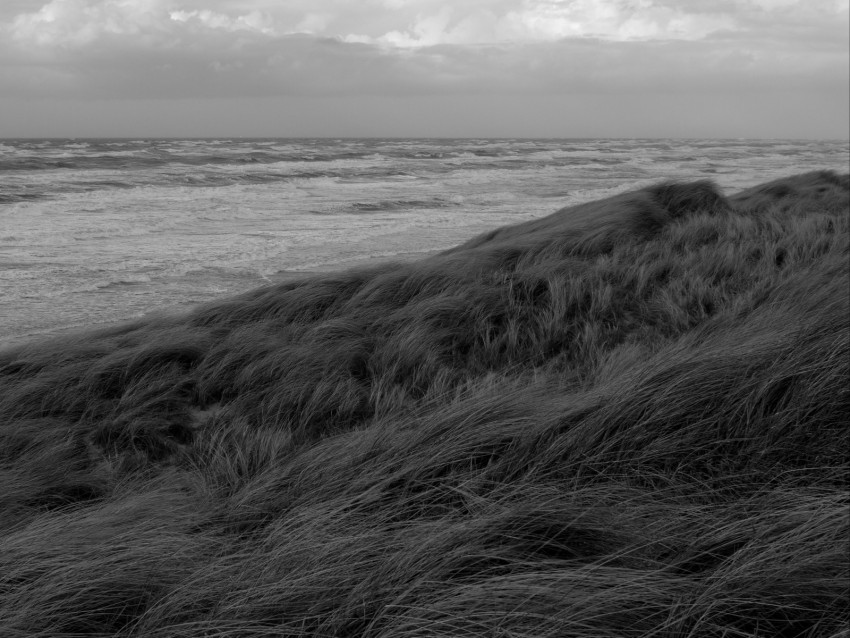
column 629, row 418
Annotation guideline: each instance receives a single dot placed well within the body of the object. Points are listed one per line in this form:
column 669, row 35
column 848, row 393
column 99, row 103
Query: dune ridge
column 628, row 418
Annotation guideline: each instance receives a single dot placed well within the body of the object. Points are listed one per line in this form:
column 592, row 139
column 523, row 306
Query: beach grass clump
column 629, row 418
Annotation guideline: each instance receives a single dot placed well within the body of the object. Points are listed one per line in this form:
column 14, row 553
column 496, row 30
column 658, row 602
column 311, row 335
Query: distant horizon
column 414, row 137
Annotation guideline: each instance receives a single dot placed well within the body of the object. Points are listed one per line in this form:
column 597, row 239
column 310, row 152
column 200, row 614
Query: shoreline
column 150, row 240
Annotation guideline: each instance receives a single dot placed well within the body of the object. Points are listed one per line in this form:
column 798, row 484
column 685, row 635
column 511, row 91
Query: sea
column 97, row 231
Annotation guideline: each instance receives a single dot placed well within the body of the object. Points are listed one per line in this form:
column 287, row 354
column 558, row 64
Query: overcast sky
column 497, row 68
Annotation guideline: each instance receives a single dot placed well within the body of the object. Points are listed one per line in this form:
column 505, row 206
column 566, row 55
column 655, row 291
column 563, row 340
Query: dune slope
column 629, row 418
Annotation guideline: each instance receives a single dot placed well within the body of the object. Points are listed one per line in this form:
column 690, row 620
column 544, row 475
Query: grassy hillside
column 627, row 419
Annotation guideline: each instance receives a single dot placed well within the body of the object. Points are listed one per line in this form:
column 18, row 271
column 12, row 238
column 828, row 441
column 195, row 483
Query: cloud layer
column 407, row 23
column 170, row 49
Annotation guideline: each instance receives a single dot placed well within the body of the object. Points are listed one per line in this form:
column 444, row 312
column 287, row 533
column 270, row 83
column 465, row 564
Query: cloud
column 80, row 22
column 253, row 21
column 551, row 20
column 476, row 22
column 193, row 48
column 414, row 23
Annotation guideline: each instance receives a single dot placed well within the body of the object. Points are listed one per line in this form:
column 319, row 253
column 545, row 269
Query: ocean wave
column 141, row 155
column 123, row 280
column 16, row 197
column 382, row 206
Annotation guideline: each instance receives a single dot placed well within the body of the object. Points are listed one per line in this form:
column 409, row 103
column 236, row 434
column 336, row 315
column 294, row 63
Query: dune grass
column 629, row 418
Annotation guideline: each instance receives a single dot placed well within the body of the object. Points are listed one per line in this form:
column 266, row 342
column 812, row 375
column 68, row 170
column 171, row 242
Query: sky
column 425, row 68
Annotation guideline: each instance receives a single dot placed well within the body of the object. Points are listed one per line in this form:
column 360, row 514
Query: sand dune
column 628, row 418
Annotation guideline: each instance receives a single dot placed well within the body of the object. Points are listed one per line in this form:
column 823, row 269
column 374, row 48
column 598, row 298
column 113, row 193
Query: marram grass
column 629, row 418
